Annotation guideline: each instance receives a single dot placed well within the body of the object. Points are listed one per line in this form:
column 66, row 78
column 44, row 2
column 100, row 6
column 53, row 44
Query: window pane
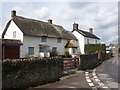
column 41, row 49
column 54, row 49
column 59, row 40
column 73, row 50
column 30, row 50
column 87, row 41
column 14, row 34
column 43, row 39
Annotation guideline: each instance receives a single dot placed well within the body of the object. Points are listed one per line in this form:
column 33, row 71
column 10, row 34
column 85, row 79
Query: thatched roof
column 10, row 41
column 86, row 34
column 71, row 45
column 39, row 28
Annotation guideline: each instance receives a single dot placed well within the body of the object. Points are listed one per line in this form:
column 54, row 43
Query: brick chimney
column 91, row 30
column 13, row 13
column 75, row 26
column 50, row 21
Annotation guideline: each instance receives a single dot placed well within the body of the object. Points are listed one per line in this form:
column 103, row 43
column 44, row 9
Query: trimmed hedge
column 92, row 48
column 27, row 73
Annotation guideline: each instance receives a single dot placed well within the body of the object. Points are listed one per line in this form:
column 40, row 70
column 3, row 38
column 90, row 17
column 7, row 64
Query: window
column 59, row 40
column 74, row 49
column 54, row 49
column 14, row 34
column 43, row 39
column 41, row 49
column 96, row 41
column 30, row 50
column 87, row 41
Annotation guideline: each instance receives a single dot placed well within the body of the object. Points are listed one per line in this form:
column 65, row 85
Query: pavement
column 76, row 80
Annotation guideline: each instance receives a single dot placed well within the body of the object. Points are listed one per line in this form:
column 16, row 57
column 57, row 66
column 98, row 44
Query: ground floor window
column 54, row 49
column 30, row 50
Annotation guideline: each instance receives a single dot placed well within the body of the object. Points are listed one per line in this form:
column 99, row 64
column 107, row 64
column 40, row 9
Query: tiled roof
column 87, row 34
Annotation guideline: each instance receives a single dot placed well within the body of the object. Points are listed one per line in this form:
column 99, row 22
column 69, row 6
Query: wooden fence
column 71, row 63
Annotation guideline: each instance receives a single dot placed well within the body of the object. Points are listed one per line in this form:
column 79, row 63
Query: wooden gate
column 71, row 63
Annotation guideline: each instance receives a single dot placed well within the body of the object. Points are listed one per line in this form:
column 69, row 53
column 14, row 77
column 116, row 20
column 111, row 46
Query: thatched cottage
column 39, row 38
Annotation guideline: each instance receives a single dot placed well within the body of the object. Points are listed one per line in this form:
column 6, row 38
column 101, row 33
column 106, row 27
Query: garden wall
column 28, row 73
column 88, row 61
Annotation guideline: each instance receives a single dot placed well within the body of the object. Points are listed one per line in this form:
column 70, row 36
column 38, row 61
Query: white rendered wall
column 91, row 40
column 30, row 41
column 80, row 40
column 9, row 34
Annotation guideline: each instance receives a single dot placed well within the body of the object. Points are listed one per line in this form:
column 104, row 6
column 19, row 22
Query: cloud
column 102, row 17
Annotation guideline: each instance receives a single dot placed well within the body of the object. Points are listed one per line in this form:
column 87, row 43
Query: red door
column 11, row 52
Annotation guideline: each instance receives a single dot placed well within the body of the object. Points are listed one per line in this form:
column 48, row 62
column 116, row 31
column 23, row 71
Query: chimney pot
column 75, row 26
column 50, row 21
column 91, row 30
column 13, row 13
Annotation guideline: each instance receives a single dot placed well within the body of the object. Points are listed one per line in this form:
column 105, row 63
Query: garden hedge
column 92, row 48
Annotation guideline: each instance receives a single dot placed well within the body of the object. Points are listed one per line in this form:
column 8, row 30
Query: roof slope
column 11, row 41
column 87, row 34
column 39, row 28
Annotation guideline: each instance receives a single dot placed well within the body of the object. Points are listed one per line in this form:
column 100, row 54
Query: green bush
column 92, row 48
column 67, row 54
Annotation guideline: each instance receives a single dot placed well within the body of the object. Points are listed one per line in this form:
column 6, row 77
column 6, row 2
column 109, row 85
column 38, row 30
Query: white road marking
column 101, row 84
column 104, row 87
column 94, row 88
column 86, row 72
column 97, row 79
column 88, row 80
column 91, row 84
column 87, row 77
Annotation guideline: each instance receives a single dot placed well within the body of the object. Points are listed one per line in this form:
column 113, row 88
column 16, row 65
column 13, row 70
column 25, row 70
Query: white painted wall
column 91, row 40
column 30, row 41
column 80, row 40
column 9, row 34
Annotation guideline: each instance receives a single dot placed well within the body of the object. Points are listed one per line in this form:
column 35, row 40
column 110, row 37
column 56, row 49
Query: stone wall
column 88, row 61
column 32, row 72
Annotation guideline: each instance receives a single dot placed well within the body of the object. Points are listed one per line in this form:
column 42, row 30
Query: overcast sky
column 101, row 16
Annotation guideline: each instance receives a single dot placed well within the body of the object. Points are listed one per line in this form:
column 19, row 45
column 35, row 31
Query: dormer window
column 14, row 34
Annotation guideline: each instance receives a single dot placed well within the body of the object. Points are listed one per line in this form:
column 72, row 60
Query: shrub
column 67, row 54
column 53, row 53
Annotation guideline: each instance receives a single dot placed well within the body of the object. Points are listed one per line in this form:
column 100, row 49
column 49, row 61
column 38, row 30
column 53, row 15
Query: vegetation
column 92, row 48
column 67, row 54
column 53, row 53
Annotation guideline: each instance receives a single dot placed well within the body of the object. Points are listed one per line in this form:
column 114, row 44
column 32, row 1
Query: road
column 109, row 72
